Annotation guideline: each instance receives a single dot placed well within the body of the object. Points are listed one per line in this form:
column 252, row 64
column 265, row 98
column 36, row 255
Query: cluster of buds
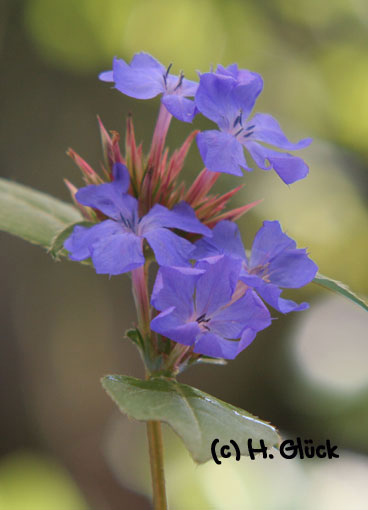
column 208, row 299
column 155, row 179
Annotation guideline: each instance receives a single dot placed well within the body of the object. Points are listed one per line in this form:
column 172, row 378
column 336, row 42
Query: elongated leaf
column 198, row 418
column 340, row 288
column 33, row 215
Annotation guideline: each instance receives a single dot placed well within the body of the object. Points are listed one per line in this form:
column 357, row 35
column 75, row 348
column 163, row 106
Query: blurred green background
column 62, row 443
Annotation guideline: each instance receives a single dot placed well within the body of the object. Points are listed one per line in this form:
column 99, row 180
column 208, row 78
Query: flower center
column 262, row 271
column 130, row 223
column 238, row 130
column 203, row 321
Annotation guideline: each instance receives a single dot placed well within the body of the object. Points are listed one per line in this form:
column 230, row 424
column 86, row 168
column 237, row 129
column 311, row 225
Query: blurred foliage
column 259, row 484
column 30, row 481
column 326, row 213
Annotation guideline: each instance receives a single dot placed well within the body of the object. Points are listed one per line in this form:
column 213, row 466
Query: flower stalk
column 154, row 436
column 154, row 433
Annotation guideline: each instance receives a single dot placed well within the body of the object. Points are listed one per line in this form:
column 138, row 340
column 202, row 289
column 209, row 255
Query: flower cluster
column 209, row 297
column 227, row 97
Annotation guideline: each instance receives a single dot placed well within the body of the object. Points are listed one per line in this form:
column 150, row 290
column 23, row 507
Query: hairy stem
column 157, row 464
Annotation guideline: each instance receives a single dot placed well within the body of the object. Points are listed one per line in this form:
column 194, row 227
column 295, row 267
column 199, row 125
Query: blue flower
column 200, row 307
column 274, row 263
column 145, row 77
column 116, row 244
column 227, row 98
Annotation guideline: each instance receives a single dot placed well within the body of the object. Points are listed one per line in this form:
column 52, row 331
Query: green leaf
column 33, row 215
column 198, row 418
column 340, row 288
column 135, row 336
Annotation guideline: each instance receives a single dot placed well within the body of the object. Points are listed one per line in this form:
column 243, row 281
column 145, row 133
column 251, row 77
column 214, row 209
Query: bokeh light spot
column 330, row 345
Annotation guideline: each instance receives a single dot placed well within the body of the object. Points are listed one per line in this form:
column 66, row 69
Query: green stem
column 157, row 464
column 141, row 298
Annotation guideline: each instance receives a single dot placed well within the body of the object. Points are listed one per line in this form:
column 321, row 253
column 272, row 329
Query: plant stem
column 141, row 298
column 157, row 464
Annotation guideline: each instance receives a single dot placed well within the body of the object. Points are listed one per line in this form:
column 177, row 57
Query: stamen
column 238, row 132
column 167, row 73
column 248, row 134
column 238, row 119
column 123, row 219
column 201, row 318
column 168, row 69
column 180, row 81
column 126, row 222
column 203, row 321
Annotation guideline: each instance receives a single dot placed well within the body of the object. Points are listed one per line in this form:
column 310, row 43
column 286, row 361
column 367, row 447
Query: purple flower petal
column 216, row 286
column 231, row 70
column 246, row 339
column 106, row 76
column 222, row 96
column 276, row 262
column 271, row 294
column 110, row 199
column 174, row 287
column 245, row 94
column 269, row 241
column 292, row 269
column 121, row 177
column 267, row 129
column 288, row 167
column 169, row 248
column 80, row 242
column 117, row 254
column 213, row 99
column 221, row 152
column 215, row 346
column 288, row 266
column 180, row 107
column 168, row 324
column 247, row 312
column 225, row 240
column 142, row 79
column 182, row 217
column 251, row 280
column 242, row 76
